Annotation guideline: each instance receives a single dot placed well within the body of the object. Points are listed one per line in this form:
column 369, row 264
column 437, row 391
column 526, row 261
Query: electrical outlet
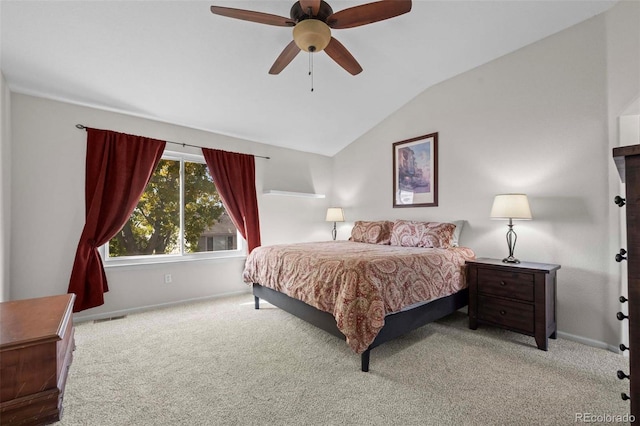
column 167, row 278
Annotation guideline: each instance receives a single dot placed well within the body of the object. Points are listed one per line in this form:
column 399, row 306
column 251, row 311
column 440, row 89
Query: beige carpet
column 221, row 362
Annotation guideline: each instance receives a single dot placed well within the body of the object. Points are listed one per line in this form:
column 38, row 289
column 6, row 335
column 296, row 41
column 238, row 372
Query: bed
column 368, row 290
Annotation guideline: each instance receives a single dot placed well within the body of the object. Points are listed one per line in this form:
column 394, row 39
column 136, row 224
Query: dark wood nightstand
column 520, row 297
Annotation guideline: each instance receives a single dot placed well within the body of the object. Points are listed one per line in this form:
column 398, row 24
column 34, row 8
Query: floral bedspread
column 358, row 283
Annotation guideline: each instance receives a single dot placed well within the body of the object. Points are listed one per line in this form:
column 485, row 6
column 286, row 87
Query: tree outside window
column 163, row 224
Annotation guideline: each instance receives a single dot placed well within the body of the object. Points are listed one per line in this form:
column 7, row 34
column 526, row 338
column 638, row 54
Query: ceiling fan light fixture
column 311, row 35
column 312, row 22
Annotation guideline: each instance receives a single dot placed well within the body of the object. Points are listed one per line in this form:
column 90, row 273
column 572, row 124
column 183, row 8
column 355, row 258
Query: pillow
column 371, row 232
column 456, row 234
column 409, row 233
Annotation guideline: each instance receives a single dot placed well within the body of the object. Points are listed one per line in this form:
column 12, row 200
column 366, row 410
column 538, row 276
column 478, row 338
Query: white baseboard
column 588, row 342
column 113, row 314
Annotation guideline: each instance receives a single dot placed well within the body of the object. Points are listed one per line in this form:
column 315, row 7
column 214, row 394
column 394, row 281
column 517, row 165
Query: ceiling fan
column 312, row 21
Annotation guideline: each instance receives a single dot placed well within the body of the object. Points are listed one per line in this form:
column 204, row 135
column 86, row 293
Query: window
column 179, row 214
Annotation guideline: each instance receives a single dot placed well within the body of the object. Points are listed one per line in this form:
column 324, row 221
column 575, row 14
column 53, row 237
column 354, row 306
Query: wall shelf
column 292, row 194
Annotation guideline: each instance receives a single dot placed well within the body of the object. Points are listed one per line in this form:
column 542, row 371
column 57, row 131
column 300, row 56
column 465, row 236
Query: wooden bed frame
column 396, row 324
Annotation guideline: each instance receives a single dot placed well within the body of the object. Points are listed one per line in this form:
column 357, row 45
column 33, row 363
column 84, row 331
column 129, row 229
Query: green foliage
column 154, row 225
column 203, row 206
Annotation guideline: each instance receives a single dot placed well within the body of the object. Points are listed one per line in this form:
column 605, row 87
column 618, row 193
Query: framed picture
column 415, row 172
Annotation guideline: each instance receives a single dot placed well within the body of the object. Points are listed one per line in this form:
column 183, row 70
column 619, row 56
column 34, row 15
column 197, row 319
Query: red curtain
column 118, row 168
column 235, row 178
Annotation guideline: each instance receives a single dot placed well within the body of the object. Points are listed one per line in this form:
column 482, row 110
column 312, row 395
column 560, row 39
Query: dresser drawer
column 515, row 285
column 506, row 313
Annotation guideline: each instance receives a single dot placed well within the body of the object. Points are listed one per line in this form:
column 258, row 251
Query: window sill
column 163, row 260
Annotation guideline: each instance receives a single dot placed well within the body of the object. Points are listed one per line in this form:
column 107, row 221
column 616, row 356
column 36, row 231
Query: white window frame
column 240, row 251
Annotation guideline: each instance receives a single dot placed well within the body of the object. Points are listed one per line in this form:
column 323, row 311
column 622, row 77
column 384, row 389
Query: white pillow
column 456, row 234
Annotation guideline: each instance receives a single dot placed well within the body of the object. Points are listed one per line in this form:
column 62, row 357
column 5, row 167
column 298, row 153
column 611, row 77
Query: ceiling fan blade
column 285, row 58
column 249, row 15
column 341, row 55
column 313, row 4
column 368, row 13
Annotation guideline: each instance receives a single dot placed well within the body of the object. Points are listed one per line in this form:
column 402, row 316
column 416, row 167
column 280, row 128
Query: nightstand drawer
column 515, row 285
column 510, row 314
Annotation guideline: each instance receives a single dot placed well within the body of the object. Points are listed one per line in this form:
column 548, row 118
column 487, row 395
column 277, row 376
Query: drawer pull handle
column 620, row 256
column 623, row 299
column 619, row 201
column 621, row 375
column 624, row 396
column 503, row 312
column 623, row 347
column 621, row 316
column 502, row 283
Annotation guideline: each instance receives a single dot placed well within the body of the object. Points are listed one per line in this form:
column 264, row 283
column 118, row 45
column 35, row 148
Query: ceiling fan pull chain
column 311, row 66
column 311, row 50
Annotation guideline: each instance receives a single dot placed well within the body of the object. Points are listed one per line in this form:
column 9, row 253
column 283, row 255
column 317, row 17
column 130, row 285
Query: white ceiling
column 175, row 61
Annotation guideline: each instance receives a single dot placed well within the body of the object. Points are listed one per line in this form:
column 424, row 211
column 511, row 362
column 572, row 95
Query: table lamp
column 511, row 206
column 334, row 214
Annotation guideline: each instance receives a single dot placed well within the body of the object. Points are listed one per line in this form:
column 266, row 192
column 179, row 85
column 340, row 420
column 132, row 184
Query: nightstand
column 520, row 297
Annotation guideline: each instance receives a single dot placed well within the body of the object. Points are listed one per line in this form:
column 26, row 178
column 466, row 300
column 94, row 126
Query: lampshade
column 335, row 214
column 311, row 35
column 511, row 206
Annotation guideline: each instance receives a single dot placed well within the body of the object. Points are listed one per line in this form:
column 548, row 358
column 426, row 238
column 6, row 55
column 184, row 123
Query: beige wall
column 5, row 189
column 534, row 121
column 48, row 206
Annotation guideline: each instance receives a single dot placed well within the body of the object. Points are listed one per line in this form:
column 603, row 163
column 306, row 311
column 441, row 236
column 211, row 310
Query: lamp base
column 511, row 242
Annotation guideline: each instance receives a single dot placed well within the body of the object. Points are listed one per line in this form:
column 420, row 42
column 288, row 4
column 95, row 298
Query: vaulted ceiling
column 176, row 62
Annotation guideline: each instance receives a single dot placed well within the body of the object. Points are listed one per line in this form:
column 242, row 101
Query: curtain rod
column 83, row 127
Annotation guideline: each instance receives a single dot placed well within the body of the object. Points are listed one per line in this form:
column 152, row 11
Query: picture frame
column 415, row 172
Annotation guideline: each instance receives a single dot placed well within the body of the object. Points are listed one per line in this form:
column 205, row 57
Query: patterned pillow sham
column 409, row 233
column 378, row 232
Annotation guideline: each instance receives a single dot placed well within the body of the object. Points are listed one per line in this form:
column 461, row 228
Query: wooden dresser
column 627, row 159
column 36, row 346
